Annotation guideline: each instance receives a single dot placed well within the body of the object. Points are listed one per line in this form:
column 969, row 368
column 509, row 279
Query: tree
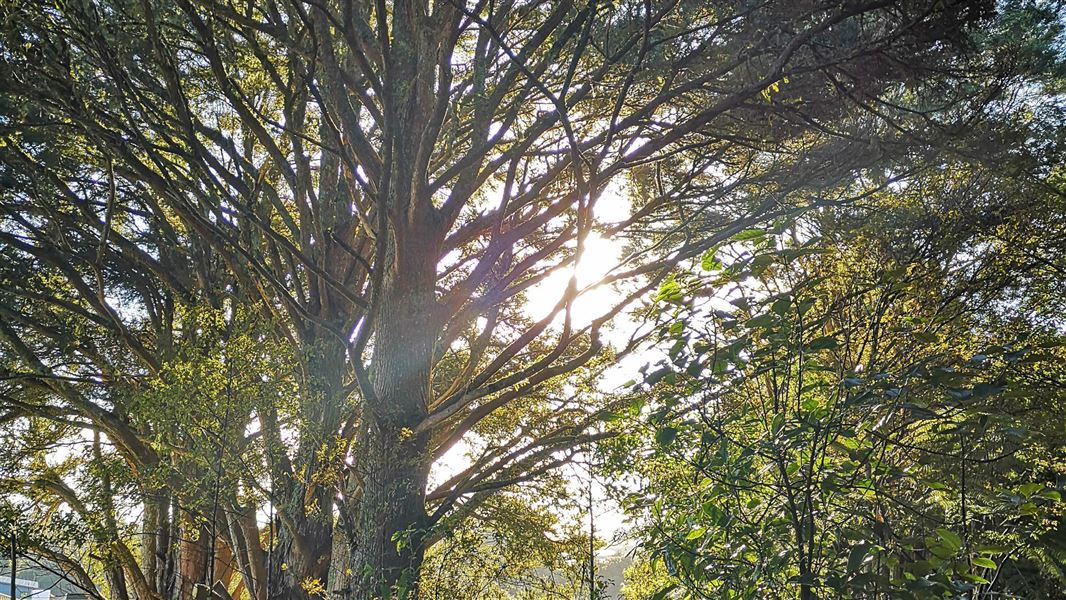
column 516, row 547
column 875, row 411
column 378, row 186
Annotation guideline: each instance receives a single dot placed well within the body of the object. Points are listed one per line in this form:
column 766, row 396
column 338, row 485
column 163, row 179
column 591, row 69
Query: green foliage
column 276, row 258
column 514, row 548
column 859, row 414
column 646, row 579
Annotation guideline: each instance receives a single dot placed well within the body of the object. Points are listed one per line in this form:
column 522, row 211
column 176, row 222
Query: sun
column 600, row 255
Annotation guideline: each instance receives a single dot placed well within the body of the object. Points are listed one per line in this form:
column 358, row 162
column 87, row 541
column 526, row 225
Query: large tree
column 356, row 198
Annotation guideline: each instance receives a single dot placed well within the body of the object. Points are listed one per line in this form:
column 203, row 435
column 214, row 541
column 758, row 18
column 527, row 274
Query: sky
column 600, row 255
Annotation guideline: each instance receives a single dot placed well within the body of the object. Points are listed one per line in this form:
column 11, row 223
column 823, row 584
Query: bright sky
column 599, row 257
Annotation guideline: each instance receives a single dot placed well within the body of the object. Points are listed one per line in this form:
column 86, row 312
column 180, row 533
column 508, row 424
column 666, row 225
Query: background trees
column 866, row 402
column 276, row 258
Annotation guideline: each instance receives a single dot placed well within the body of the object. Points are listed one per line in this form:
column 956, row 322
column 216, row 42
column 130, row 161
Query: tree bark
column 301, row 559
column 388, row 523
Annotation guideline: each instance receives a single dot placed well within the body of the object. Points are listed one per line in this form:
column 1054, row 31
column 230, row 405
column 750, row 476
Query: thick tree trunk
column 158, row 551
column 301, row 559
column 295, row 566
column 389, row 525
column 389, row 517
column 192, row 555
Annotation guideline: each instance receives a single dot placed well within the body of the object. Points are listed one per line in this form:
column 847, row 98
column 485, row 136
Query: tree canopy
column 268, row 268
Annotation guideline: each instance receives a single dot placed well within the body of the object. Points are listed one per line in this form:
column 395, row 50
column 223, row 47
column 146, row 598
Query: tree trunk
column 389, row 517
column 389, row 522
column 298, row 564
column 301, row 560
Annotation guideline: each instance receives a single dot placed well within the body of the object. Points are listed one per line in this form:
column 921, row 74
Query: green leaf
column 984, row 563
column 741, row 303
column 926, row 337
column 825, row 342
column 857, row 556
column 709, row 262
column 781, row 306
column 749, row 234
column 765, row 321
column 941, row 550
column 657, row 375
column 760, row 263
column 949, row 538
column 1028, row 489
column 669, row 291
column 778, row 422
column 666, row 436
column 696, row 534
column 973, row 578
